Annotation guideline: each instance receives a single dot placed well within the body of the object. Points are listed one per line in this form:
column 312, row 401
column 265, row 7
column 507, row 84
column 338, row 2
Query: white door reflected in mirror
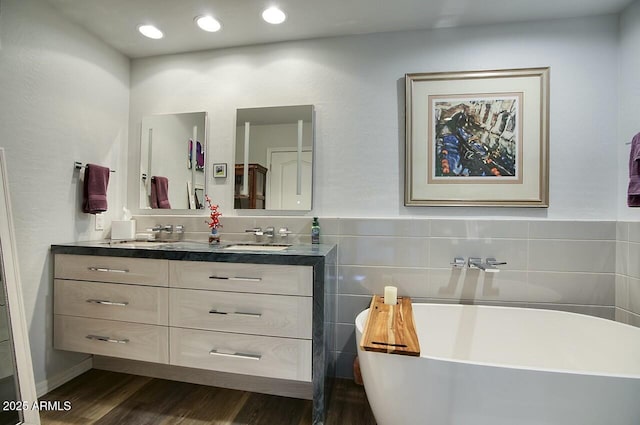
column 282, row 188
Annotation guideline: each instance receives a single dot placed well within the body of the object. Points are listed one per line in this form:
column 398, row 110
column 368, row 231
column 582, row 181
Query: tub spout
column 493, row 262
column 476, row 263
column 489, row 266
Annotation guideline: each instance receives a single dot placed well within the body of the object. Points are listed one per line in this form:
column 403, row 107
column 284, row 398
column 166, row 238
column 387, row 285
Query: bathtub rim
column 359, row 329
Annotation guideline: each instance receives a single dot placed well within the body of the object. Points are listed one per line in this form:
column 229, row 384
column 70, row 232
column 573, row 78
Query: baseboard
column 43, row 387
column 259, row 384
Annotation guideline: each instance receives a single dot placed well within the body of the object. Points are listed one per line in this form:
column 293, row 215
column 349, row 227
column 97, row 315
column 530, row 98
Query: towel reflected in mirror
column 160, row 192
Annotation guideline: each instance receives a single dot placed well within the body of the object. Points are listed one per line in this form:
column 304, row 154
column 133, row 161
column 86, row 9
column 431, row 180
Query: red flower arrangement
column 214, row 214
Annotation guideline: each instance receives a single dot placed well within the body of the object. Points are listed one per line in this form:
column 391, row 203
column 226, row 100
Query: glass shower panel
column 9, row 415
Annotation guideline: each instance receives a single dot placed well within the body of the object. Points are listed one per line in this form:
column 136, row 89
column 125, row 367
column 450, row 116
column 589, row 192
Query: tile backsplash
column 627, row 276
column 587, row 267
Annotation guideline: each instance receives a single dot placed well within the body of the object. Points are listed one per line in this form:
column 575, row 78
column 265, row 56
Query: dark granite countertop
column 301, row 254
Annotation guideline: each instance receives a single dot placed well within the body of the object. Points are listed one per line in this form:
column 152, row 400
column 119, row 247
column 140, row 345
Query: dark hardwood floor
column 109, row 398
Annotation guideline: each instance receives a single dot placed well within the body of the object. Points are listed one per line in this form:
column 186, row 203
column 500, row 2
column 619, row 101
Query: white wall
column 64, row 98
column 357, row 86
column 629, row 89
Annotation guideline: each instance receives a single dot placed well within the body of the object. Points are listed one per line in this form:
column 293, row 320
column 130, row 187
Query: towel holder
column 79, row 165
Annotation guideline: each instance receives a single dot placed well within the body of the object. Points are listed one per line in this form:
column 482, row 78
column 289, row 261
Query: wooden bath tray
column 390, row 328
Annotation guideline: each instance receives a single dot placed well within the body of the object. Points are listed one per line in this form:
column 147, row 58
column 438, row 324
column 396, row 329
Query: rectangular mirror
column 172, row 161
column 274, row 158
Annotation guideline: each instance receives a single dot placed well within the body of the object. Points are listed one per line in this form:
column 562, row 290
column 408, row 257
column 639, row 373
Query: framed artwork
column 478, row 138
column 220, row 170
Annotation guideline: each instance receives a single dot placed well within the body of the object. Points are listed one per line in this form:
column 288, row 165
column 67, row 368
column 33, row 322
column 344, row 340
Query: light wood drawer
column 284, row 358
column 138, row 271
column 242, row 277
column 112, row 301
column 109, row 338
column 274, row 315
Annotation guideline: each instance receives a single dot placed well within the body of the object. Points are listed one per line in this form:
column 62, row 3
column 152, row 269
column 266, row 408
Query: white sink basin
column 188, row 245
column 199, row 246
column 255, row 247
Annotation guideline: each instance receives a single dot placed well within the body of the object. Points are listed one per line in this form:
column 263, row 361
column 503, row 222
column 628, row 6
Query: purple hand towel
column 160, row 192
column 153, row 198
column 96, row 180
column 633, row 192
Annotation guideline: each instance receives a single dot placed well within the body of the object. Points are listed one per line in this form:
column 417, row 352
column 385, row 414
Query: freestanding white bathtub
column 482, row 365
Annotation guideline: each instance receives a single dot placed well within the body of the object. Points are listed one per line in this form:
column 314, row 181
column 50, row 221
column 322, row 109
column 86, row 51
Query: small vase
column 214, row 237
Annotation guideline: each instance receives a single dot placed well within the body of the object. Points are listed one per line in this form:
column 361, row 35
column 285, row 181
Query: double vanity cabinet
column 253, row 320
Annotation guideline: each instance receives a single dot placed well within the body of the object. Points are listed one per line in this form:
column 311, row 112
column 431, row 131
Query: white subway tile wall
column 622, row 231
column 588, row 267
column 634, row 232
column 580, row 230
column 480, row 229
column 572, row 256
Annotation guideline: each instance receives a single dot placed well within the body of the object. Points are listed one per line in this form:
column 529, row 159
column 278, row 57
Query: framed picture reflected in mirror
column 220, row 170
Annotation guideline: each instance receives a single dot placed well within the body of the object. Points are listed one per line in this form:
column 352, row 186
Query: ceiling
column 116, row 21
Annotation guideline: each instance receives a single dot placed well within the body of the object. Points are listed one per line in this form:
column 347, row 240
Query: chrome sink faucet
column 160, row 228
column 269, row 232
column 167, row 233
column 284, row 232
column 168, row 228
column 256, row 231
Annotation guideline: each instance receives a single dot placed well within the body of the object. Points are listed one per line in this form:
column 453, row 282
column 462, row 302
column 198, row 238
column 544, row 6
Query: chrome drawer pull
column 102, row 269
column 243, row 279
column 107, row 339
column 104, row 302
column 237, row 313
column 236, row 355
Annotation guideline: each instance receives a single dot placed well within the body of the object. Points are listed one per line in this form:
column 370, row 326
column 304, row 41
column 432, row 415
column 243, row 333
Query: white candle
column 390, row 295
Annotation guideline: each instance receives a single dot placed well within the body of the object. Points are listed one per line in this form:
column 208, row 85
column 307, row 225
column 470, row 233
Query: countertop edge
column 292, row 258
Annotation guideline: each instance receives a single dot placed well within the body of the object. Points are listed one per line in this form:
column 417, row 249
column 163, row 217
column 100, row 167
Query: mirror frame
column 26, row 390
column 142, row 184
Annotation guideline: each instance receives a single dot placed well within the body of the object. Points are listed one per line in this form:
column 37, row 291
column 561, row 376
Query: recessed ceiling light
column 208, row 23
column 273, row 15
column 150, row 31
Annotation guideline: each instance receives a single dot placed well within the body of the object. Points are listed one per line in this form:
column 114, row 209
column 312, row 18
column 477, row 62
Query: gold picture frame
column 478, row 138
